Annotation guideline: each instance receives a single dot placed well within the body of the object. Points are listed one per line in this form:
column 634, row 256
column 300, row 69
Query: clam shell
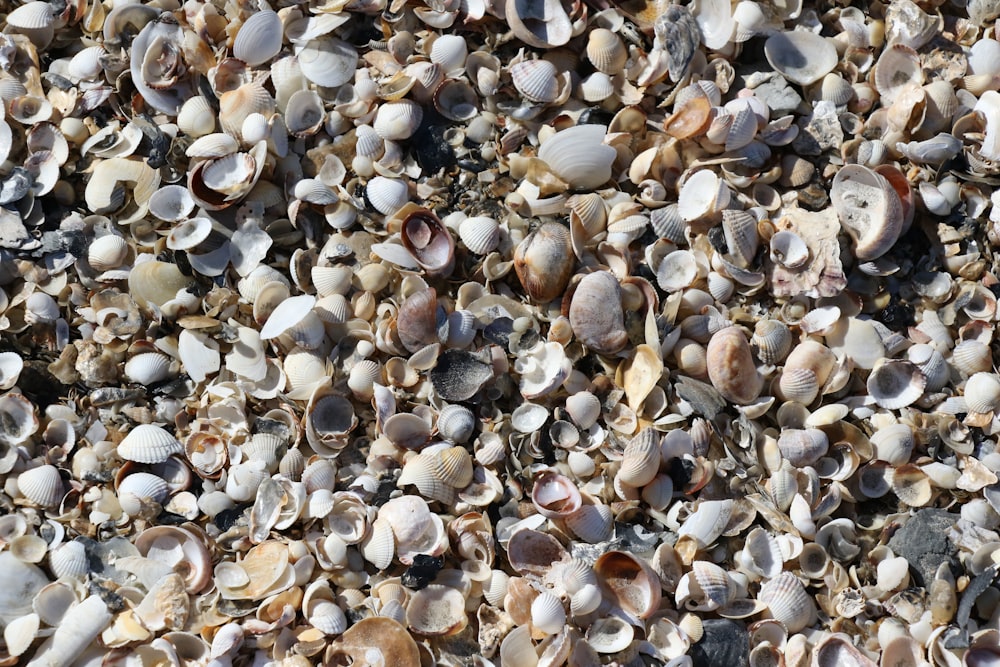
column 595, row 313
column 803, row 447
column 788, row 601
column 640, row 461
column 702, row 194
column 868, row 208
column 259, row 38
column 609, row 635
column 456, row 423
column 731, row 367
column 139, row 489
column 579, row 156
column 387, row 195
column 801, row 57
column 539, row 23
column 398, row 120
column 555, row 496
column 544, row 262
column 449, row 52
column 897, row 70
column 148, row 443
column 304, row 114
column 894, row 384
column 42, row 485
column 327, row 61
column 629, row 581
column 196, row 117
column 436, row 610
column 107, row 252
column 606, row 51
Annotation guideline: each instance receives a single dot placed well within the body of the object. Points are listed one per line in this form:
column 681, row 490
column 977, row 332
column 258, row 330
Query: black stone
column 725, row 644
column 422, row 572
column 923, row 541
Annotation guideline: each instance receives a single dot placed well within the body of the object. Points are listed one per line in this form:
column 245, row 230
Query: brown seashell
column 731, row 367
column 416, row 322
column 375, row 641
column 630, row 582
column 544, row 262
column 595, row 313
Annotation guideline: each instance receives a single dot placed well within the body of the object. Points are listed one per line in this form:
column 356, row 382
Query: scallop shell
column 259, row 38
column 42, row 485
column 788, row 601
column 148, row 443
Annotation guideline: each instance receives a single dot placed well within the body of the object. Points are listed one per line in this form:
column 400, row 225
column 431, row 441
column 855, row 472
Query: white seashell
column 450, row 52
column 788, row 601
column 456, row 423
column 86, row 64
column 387, row 195
column 547, row 613
column 641, row 459
column 42, row 485
column 148, row 443
column 584, row 408
column 11, row 365
column 591, row 523
column 789, row 250
column 398, row 120
column 107, row 252
column 148, row 368
column 196, row 117
column 894, row 384
column 214, row 145
column 610, row 635
column 69, row 560
column 579, row 156
column 255, row 128
column 77, row 630
column 606, row 51
column 304, row 113
column 171, row 203
column 140, row 489
column 982, row 392
column 702, row 194
column 35, row 20
column 259, row 38
column 537, row 80
column 677, row 271
column 800, row 56
column 327, row 61
column 20, row 633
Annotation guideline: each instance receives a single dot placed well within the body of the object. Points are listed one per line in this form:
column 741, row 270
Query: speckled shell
column 731, row 367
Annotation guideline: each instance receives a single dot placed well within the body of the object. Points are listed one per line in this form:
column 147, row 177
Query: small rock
column 725, row 644
column 923, row 541
column 819, row 132
column 774, row 90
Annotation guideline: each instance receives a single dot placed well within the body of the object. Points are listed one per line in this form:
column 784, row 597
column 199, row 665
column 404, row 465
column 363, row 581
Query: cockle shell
column 640, row 461
column 480, row 234
column 579, row 156
column 537, row 80
column 606, row 51
column 544, row 262
column 731, row 367
column 41, row 485
column 259, row 38
column 788, row 601
column 595, row 313
column 982, row 392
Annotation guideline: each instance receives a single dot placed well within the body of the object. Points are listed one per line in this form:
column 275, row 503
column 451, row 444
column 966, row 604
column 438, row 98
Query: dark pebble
column 725, row 644
column 923, row 542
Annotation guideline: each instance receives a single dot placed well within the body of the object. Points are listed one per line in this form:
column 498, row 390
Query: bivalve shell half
column 148, row 368
column 800, row 56
column 894, row 383
column 148, row 443
column 630, row 582
column 537, row 80
column 259, row 38
column 869, row 210
column 548, row 614
column 982, row 393
column 731, row 367
column 595, row 313
column 139, row 490
column 436, row 610
column 606, row 51
column 641, row 459
column 579, row 156
column 544, row 262
column 42, row 485
column 788, row 601
column 395, row 121
column 480, row 234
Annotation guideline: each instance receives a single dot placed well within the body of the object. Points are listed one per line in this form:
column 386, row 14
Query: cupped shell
column 595, row 313
column 544, row 262
column 731, row 367
column 869, row 210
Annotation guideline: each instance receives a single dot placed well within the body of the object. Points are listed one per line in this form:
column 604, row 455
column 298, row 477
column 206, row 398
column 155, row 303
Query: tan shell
column 606, row 51
column 731, row 367
column 544, row 262
column 595, row 313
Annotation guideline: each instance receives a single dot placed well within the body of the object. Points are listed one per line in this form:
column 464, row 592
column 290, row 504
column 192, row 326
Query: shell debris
column 499, row 332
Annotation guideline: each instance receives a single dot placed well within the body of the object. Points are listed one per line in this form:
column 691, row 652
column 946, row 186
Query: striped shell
column 42, row 485
column 480, row 234
column 606, row 51
column 148, row 368
column 148, row 443
column 641, row 459
column 537, row 80
column 259, row 38
column 139, row 489
column 788, row 601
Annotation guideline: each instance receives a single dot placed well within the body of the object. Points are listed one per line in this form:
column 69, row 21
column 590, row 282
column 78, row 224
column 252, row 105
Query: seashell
column 583, row 408
column 540, row 23
column 436, row 610
column 982, row 392
column 69, row 560
column 375, row 640
column 387, row 195
column 304, row 114
column 42, row 486
column 702, row 194
column 147, row 369
column 800, row 56
column 537, row 80
column 259, row 38
column 215, row 145
column 806, row 369
column 606, row 51
column 579, row 156
column 480, row 234
column 897, row 70
column 789, row 250
column 547, row 613
column 591, row 523
column 731, row 367
column 788, row 601
column 555, row 496
column 398, row 120
column 327, row 61
column 139, row 490
column 456, row 100
column 640, row 460
column 771, row 341
column 707, row 522
column 196, row 117
column 459, row 375
column 76, row 632
column 430, row 243
column 544, row 262
column 869, row 210
column 456, row 423
column 803, row 447
column 107, row 252
column 610, row 635
column 629, row 581
column 171, row 203
column 596, row 322
column 677, row 271
column 449, row 52
column 416, row 322
column 894, row 384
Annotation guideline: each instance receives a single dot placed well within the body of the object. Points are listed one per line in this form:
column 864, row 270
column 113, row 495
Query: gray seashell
column 677, row 32
column 801, row 57
column 459, row 375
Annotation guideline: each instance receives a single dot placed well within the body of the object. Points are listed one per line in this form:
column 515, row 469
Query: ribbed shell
column 259, row 38
column 456, row 423
column 148, row 368
column 537, row 80
column 292, row 464
column 321, row 474
column 148, row 443
column 606, row 51
column 547, row 613
column 799, row 384
column 591, row 523
column 788, row 601
column 69, row 560
column 803, row 447
column 453, row 466
column 395, row 121
column 982, row 392
column 641, row 459
column 480, row 234
column 42, row 486
column 140, row 488
column 387, row 195
column 107, row 252
column 713, row 581
column 895, row 384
